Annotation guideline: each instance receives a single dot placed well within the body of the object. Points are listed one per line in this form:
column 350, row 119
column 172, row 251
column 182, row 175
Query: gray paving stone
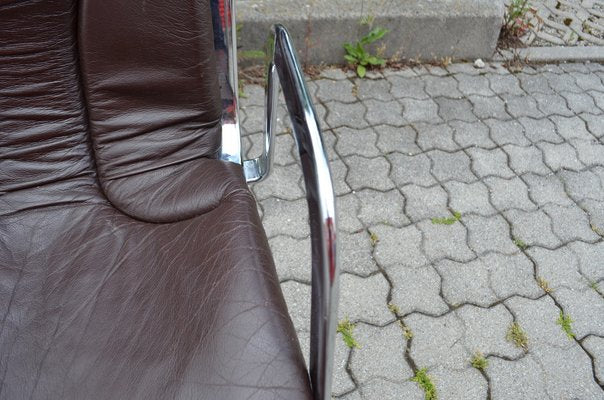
column 486, row 234
column 341, row 114
column 537, row 130
column 466, row 282
column 420, row 110
column 485, row 330
column 552, row 104
column 381, row 354
column 574, row 67
column 598, row 98
column 355, row 252
column 399, row 246
column 518, row 379
column 408, row 87
column 329, row 141
column 562, row 82
column 455, row 109
column 509, row 193
column 546, row 189
column 254, row 118
column 342, row 383
column 334, row 73
column 411, row 169
column 571, row 127
column 348, row 207
column 595, row 124
column 399, row 139
column 430, row 136
column 382, row 207
column 339, row 170
column 471, row 134
column 469, row 198
column 534, row 84
column 445, row 241
column 590, row 152
column 405, row 72
column 416, row 290
column 587, row 81
column 595, row 346
column 297, row 297
column 568, row 373
column 386, row 390
column 478, row 85
column 505, row 84
column 492, row 162
column 292, row 257
column 580, row 102
column 558, row 156
column 560, row 267
column 526, row 159
column 570, row 223
column 507, row 132
column 441, row 86
column 489, row 107
column 522, row 106
column 582, row 185
column 437, row 70
column 595, row 213
column 591, row 259
column 356, row 395
column 384, row 112
column 511, row 275
column 285, row 217
column 463, row 68
column 364, row 299
column 374, row 89
column 437, row 341
column 330, row 90
column 534, row 228
column 282, row 182
column 459, row 384
column 368, row 173
column 356, row 141
column 451, row 166
column 253, row 96
column 585, row 320
column 425, row 203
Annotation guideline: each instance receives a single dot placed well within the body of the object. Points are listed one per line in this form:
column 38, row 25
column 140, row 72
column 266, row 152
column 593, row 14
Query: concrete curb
column 553, row 54
column 423, row 30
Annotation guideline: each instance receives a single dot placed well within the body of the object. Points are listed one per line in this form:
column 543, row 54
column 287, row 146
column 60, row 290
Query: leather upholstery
column 133, row 264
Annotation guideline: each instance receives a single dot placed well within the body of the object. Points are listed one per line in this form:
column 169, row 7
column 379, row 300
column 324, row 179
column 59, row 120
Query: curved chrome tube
column 283, row 68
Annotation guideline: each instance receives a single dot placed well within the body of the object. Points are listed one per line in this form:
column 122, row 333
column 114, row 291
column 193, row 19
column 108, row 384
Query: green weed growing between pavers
column 520, row 244
column 565, row 322
column 544, row 284
column 425, row 383
column 346, row 328
column 358, row 56
column 448, row 220
column 373, row 238
column 517, row 336
column 479, row 362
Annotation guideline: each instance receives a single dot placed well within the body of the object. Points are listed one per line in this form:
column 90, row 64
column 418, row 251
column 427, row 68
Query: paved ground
column 521, row 158
column 566, row 22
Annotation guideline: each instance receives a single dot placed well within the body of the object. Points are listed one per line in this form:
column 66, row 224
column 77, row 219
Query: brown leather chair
column 133, row 263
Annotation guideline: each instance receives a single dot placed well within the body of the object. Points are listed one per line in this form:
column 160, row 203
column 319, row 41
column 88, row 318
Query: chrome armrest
column 283, row 69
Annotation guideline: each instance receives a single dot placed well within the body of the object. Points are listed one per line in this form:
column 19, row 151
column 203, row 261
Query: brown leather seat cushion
column 133, row 265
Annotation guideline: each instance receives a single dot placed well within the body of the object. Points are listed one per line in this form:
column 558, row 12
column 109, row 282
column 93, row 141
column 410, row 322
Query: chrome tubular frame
column 284, row 68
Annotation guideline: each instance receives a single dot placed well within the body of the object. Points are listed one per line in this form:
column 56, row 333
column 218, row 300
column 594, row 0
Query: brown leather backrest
column 122, row 92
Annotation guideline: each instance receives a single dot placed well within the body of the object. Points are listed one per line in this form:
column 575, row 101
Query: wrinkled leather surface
column 166, row 288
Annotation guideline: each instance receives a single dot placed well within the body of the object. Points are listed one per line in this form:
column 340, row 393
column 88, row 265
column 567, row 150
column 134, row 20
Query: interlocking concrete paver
column 368, row 173
column 466, row 283
column 416, row 289
column 364, row 299
column 381, row 354
column 425, row 203
column 402, row 140
column 381, row 207
column 413, row 144
column 492, row 162
column 486, row 234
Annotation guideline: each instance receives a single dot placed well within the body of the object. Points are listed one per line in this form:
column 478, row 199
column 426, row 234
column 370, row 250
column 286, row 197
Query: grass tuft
column 565, row 322
column 394, row 308
column 346, row 328
column 517, row 336
column 479, row 362
column 373, row 238
column 425, row 383
column 520, row 244
column 407, row 332
column 447, row 220
column 543, row 284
